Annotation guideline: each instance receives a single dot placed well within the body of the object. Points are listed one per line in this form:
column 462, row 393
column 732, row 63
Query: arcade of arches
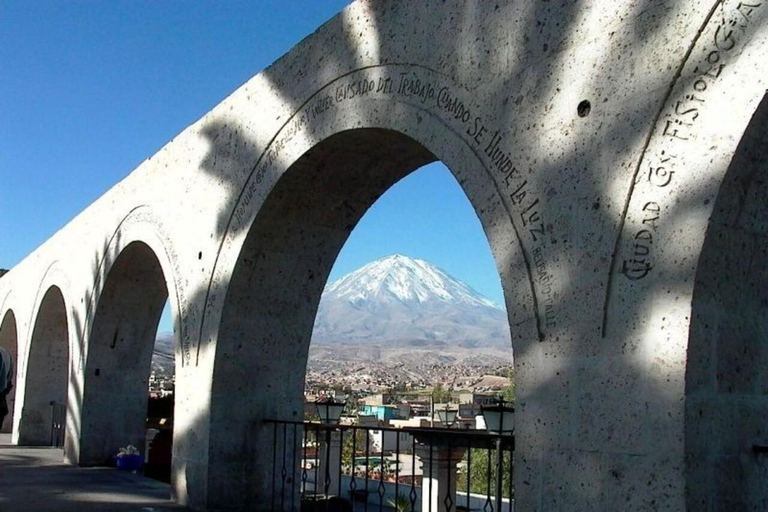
column 616, row 158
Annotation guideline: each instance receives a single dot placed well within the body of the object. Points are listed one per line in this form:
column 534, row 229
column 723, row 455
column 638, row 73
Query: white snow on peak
column 407, row 280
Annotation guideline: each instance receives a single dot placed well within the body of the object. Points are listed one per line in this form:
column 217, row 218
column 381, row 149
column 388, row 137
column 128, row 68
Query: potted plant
column 401, row 503
column 129, row 458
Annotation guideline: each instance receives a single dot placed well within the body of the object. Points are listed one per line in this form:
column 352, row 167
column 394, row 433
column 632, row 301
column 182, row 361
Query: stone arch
column 142, row 225
column 9, row 341
column 727, row 369
column 134, row 278
column 119, row 354
column 46, row 370
column 289, row 244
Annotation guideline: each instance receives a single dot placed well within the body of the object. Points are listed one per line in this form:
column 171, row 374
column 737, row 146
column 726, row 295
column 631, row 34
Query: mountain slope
column 405, row 302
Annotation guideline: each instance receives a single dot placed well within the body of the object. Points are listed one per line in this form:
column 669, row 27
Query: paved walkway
column 36, row 480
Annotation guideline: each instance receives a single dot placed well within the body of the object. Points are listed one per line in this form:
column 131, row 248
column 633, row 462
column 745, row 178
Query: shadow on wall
column 101, row 261
column 119, row 358
column 310, row 212
column 727, row 378
column 46, row 372
column 287, row 257
column 302, row 270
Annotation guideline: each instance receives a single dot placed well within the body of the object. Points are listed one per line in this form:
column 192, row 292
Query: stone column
column 439, row 474
column 330, row 459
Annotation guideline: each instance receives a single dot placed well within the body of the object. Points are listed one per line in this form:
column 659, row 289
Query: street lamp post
column 329, row 410
column 499, row 420
column 447, row 416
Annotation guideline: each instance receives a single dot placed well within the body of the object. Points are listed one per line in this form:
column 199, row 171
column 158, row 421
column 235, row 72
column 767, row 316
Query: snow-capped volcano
column 408, row 280
column 403, row 300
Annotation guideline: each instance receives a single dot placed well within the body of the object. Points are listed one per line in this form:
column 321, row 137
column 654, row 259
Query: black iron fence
column 58, row 420
column 340, row 467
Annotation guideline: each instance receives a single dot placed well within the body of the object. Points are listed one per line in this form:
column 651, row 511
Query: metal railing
column 344, row 467
column 58, row 419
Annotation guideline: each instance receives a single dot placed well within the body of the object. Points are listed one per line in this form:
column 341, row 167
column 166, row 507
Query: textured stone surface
column 615, row 155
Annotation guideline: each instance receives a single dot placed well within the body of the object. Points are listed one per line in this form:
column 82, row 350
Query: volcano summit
column 408, row 302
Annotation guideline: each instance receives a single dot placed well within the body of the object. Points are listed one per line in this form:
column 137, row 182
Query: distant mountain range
column 398, row 302
column 162, row 354
column 403, row 301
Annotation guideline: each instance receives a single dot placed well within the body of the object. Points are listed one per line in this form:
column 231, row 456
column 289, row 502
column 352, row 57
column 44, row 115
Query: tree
column 441, row 395
column 358, row 438
column 394, row 394
column 508, row 394
column 478, row 475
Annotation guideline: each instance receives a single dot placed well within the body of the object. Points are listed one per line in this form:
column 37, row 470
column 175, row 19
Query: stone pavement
column 36, row 480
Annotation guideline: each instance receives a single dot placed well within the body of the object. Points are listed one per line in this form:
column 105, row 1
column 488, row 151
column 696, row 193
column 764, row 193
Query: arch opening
column 119, row 360
column 9, row 341
column 727, row 368
column 47, row 371
column 273, row 296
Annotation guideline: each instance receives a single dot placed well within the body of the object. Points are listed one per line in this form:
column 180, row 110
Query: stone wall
column 603, row 148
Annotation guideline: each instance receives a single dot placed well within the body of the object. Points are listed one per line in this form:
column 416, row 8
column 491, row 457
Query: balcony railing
column 343, row 467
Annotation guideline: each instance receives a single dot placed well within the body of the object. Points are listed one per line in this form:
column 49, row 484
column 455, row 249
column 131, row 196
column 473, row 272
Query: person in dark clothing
column 6, row 381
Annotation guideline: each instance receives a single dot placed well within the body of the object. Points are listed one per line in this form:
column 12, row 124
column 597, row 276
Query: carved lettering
column 519, row 194
column 545, row 280
column 318, row 107
column 660, row 176
column 509, row 176
column 724, row 39
column 452, row 105
column 635, row 272
column 638, row 266
column 355, row 88
column 682, row 109
column 652, row 210
column 414, row 87
column 384, row 86
column 745, row 10
column 477, row 131
column 444, row 100
column 676, row 129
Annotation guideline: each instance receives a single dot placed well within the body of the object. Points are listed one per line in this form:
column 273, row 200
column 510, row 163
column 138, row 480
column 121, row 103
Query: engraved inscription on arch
column 663, row 165
column 187, row 313
column 454, row 106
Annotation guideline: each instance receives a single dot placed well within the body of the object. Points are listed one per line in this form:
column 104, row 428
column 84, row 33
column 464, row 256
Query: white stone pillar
column 439, row 466
column 330, row 457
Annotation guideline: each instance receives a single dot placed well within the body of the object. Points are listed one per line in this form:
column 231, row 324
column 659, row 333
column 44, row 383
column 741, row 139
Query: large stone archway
column 592, row 141
column 275, row 289
column 117, row 369
column 47, row 370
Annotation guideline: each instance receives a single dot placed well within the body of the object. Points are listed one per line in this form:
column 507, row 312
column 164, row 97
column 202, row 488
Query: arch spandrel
column 142, row 224
column 687, row 150
column 321, row 116
column 54, row 276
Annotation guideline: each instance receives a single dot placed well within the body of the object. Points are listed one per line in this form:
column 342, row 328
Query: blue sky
column 89, row 89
